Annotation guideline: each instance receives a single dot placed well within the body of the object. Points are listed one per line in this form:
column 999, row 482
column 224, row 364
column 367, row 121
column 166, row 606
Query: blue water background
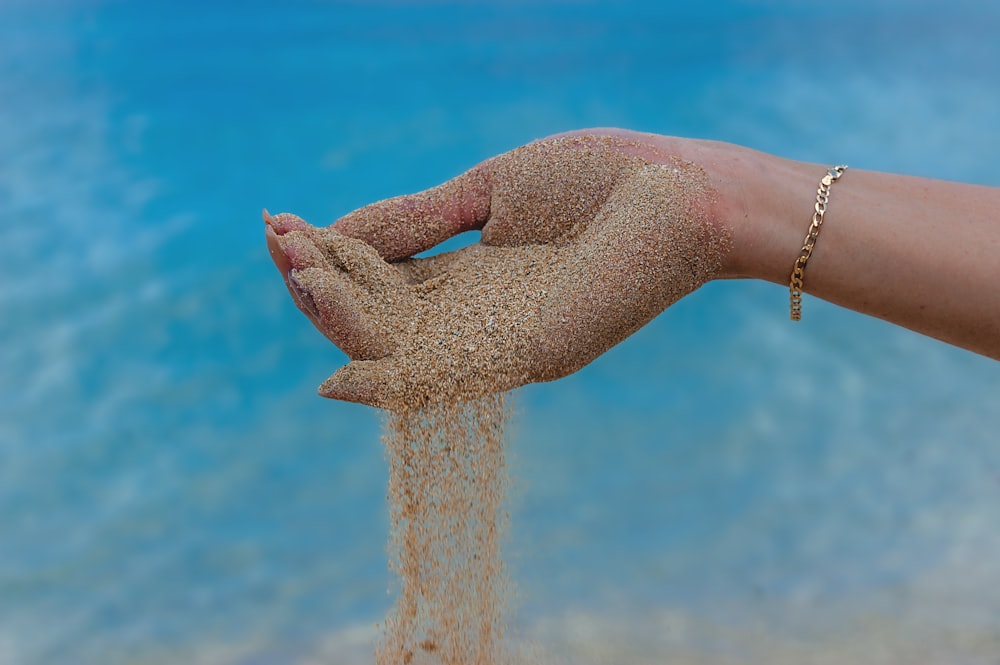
column 171, row 487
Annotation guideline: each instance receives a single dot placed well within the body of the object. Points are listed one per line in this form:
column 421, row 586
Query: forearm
column 923, row 254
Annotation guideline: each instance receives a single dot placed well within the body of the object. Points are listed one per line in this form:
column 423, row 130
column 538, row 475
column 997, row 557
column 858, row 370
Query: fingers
column 277, row 255
column 345, row 311
column 360, row 261
column 283, row 222
column 406, row 225
column 278, row 225
column 349, row 293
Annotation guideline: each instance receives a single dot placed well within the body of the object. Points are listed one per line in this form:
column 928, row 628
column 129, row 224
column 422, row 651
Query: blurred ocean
column 724, row 487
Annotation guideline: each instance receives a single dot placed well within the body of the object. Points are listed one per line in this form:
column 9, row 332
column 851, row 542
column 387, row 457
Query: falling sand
column 446, row 490
column 584, row 240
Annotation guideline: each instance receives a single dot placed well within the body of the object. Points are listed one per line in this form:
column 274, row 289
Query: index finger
column 406, row 225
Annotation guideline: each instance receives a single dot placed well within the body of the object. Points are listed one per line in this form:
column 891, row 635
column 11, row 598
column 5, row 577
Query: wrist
column 765, row 204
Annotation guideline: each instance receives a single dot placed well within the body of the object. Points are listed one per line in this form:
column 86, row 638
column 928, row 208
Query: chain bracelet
column 799, row 269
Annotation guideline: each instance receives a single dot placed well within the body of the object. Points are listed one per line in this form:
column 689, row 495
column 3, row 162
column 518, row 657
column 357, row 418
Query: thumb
column 406, row 225
column 372, row 382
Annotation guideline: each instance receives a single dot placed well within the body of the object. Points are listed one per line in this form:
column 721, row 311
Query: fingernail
column 278, row 255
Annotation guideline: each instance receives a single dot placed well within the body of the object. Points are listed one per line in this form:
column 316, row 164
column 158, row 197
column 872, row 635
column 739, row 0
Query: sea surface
column 723, row 487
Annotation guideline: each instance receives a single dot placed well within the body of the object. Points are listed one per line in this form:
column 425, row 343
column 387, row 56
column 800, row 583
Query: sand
column 584, row 240
column 446, row 492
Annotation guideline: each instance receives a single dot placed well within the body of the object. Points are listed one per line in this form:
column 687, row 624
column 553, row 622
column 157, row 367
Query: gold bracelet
column 799, row 269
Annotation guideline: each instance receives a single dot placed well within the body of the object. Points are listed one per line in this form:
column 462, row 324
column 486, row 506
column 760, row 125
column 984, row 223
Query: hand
column 585, row 238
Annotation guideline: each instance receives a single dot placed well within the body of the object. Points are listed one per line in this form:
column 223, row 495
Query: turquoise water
column 724, row 485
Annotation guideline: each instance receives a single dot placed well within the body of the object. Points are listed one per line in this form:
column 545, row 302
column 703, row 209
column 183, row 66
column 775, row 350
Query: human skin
column 916, row 252
column 584, row 240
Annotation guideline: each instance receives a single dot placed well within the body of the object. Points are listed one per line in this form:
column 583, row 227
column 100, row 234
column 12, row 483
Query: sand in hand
column 584, row 240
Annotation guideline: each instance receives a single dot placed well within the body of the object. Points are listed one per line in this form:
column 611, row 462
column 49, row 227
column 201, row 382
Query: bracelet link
column 797, row 279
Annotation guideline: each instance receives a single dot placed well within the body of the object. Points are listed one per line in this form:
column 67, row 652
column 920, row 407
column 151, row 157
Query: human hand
column 585, row 238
